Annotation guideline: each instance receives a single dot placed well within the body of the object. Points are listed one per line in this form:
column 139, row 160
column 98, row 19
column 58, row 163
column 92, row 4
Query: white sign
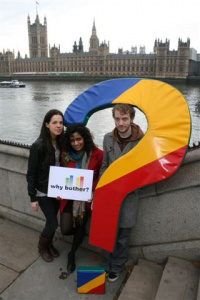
column 70, row 183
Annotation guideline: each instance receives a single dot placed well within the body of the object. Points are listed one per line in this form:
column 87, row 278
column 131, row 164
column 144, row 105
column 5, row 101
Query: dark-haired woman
column 79, row 152
column 45, row 152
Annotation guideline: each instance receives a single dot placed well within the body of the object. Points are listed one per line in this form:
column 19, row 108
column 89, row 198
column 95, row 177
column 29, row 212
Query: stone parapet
column 168, row 220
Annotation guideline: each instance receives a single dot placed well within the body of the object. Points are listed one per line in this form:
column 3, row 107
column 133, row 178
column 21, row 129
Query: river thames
column 22, row 109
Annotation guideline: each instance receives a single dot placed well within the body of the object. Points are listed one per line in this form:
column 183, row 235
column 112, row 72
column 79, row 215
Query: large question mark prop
column 156, row 157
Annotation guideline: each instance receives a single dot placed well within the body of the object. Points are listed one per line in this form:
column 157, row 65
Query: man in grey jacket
column 122, row 139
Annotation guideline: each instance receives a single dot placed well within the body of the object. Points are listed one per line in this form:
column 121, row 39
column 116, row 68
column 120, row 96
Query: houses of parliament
column 98, row 61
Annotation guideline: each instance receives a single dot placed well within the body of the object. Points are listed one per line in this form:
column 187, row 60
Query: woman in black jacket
column 45, row 152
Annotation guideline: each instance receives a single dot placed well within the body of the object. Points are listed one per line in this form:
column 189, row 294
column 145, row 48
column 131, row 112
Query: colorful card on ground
column 91, row 280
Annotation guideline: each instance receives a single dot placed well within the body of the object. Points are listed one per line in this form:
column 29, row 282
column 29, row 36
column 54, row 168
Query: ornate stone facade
column 98, row 61
column 37, row 36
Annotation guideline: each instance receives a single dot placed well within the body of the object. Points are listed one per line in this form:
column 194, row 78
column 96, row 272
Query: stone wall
column 169, row 211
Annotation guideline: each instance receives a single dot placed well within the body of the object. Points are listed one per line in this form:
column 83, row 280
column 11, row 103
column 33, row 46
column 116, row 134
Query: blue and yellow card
column 91, row 280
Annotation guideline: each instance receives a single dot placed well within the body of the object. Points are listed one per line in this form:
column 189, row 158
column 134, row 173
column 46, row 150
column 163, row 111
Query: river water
column 22, row 110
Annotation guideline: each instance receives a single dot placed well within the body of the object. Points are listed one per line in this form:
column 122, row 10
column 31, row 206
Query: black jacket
column 39, row 163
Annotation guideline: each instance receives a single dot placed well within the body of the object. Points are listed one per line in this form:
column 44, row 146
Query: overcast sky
column 123, row 23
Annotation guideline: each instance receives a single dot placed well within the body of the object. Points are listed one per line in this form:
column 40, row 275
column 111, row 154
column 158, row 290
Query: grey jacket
column 111, row 152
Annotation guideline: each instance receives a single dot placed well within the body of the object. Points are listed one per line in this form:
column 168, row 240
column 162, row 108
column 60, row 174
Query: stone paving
column 24, row 275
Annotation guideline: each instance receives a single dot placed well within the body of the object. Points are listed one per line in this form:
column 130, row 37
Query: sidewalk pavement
column 25, row 276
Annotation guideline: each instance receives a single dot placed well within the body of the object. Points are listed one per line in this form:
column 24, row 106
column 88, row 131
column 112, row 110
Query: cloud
column 124, row 24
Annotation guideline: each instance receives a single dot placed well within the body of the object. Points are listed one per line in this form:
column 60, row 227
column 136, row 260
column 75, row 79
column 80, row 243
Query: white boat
column 12, row 84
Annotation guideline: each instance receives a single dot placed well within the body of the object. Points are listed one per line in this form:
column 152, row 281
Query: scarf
column 81, row 162
column 136, row 133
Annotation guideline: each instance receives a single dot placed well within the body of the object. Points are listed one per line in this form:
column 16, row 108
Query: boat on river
column 12, row 84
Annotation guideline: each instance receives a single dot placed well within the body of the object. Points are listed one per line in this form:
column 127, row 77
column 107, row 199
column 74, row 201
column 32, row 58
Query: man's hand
column 35, row 206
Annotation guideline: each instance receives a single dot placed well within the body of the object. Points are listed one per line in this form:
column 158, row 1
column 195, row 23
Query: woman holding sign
column 45, row 152
column 79, row 152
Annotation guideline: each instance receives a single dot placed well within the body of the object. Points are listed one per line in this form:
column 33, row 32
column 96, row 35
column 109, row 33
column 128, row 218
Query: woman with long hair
column 45, row 152
column 79, row 152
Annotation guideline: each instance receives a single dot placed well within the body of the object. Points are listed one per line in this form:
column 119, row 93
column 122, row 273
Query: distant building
column 173, row 63
column 37, row 36
column 78, row 48
column 134, row 50
column 94, row 41
column 98, row 61
column 142, row 50
column 194, row 63
column 7, row 63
